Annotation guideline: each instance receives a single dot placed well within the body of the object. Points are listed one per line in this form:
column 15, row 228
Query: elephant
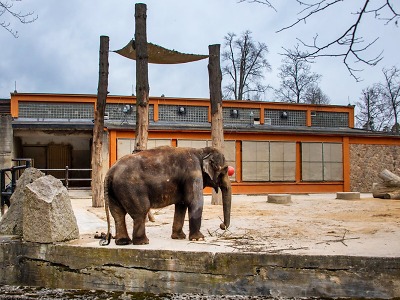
column 159, row 177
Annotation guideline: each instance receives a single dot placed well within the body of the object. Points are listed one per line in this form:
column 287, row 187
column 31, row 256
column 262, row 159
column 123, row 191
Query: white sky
column 58, row 53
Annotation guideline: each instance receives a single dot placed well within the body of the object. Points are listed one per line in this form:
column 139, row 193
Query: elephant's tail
column 107, row 239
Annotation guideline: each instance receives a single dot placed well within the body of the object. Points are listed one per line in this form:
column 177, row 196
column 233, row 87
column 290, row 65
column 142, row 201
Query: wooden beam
column 217, row 127
column 142, row 78
column 98, row 129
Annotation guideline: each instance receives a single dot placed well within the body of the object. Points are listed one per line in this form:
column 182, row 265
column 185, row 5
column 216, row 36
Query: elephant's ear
column 208, row 166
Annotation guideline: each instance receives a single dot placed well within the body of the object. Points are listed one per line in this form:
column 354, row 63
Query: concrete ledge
column 123, row 269
column 348, row 195
column 279, row 198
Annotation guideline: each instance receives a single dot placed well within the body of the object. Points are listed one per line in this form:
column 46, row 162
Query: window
column 322, row 162
column 268, row 161
column 229, row 150
column 126, row 146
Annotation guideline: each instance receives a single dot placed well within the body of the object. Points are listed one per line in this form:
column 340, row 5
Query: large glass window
column 322, row 162
column 229, row 150
column 126, row 146
column 268, row 161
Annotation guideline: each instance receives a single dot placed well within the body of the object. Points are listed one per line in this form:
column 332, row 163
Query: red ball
column 231, row 171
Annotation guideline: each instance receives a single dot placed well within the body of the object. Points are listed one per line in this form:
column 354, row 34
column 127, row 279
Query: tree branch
column 24, row 18
column 349, row 41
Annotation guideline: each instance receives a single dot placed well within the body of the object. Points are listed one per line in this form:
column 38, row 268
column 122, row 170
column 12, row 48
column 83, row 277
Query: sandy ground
column 316, row 224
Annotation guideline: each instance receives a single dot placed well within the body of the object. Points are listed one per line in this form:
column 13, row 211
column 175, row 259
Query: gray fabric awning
column 160, row 55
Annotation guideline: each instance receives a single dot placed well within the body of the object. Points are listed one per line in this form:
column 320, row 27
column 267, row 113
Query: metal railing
column 67, row 175
column 6, row 190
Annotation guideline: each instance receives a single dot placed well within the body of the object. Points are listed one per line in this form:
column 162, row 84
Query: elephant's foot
column 140, row 241
column 180, row 235
column 198, row 236
column 123, row 241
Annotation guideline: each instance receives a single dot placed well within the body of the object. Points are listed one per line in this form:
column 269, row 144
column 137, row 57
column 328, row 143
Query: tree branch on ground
column 7, row 10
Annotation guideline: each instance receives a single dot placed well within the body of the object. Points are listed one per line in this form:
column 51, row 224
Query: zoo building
column 275, row 147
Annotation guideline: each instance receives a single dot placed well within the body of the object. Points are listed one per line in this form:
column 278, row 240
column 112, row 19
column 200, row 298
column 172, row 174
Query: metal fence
column 66, row 177
column 12, row 174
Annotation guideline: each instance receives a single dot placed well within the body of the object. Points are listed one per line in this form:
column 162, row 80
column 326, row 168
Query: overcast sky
column 59, row 52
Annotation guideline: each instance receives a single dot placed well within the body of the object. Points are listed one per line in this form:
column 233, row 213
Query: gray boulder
column 48, row 215
column 11, row 222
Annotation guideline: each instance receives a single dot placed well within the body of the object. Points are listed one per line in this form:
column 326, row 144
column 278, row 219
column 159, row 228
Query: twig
column 341, row 240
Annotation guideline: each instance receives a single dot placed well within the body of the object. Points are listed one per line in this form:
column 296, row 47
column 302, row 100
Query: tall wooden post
column 142, row 78
column 217, row 127
column 98, row 129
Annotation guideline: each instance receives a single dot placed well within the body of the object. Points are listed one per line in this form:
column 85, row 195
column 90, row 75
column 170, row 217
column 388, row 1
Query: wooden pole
column 98, row 129
column 217, row 127
column 142, row 82
column 142, row 78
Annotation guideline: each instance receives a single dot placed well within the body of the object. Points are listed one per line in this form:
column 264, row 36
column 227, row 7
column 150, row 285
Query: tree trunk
column 142, row 78
column 217, row 127
column 142, row 83
column 389, row 189
column 389, row 178
column 98, row 129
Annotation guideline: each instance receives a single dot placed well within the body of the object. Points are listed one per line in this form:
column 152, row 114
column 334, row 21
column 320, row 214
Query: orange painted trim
column 308, row 118
column 283, row 187
column 155, row 112
column 238, row 158
column 14, row 106
column 351, row 118
column 262, row 116
column 346, row 164
column 113, row 147
column 376, row 140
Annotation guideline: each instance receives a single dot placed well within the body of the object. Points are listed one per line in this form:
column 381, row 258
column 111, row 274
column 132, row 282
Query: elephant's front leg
column 179, row 219
column 195, row 209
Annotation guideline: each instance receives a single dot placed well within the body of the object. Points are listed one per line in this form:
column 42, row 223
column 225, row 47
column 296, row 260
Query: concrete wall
column 6, row 141
column 367, row 161
column 134, row 270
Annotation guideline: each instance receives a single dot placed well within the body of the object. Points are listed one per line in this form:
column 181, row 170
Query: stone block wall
column 367, row 161
column 6, row 140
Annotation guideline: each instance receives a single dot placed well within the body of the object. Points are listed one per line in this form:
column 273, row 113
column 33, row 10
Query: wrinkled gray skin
column 160, row 177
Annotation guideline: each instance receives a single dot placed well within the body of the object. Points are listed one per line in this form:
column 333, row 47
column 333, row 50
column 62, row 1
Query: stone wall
column 367, row 161
column 6, row 140
column 250, row 274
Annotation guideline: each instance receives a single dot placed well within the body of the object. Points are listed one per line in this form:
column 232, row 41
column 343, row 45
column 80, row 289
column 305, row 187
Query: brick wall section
column 367, row 161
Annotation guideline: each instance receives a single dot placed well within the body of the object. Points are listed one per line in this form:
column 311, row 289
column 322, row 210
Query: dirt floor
column 316, row 224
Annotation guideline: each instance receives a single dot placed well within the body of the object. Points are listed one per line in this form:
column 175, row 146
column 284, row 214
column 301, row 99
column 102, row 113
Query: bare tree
column 245, row 66
column 314, row 95
column 372, row 113
column 7, row 10
column 296, row 77
column 391, row 94
column 348, row 45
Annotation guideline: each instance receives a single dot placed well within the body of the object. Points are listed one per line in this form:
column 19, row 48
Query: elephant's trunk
column 226, row 190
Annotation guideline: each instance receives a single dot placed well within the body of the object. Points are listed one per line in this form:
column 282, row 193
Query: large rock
column 48, row 214
column 11, row 222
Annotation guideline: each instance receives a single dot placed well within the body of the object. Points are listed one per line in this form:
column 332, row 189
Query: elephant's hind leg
column 179, row 219
column 121, row 234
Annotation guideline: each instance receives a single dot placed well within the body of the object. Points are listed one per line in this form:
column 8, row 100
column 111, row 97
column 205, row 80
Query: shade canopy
column 160, row 55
